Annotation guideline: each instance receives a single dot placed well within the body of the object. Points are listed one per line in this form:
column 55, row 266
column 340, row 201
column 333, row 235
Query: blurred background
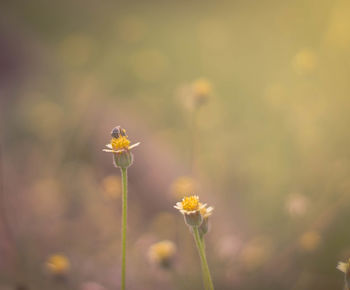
column 245, row 103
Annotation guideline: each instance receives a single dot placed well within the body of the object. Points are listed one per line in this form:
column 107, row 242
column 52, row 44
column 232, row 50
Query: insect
column 118, row 132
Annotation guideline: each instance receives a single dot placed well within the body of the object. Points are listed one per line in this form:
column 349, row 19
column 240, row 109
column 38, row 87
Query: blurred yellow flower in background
column 195, row 94
column 183, row 185
column 162, row 253
column 58, row 264
column 309, row 241
column 304, row 61
column 297, row 205
column 255, row 253
column 111, row 187
column 202, row 88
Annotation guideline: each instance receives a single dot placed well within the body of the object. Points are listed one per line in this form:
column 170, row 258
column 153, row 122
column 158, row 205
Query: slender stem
column 124, row 215
column 205, row 268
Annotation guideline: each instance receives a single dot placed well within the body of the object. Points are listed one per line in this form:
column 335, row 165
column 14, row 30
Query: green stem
column 124, row 216
column 205, row 268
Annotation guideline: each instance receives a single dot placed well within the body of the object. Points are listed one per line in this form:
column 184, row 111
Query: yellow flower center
column 120, row 143
column 190, row 203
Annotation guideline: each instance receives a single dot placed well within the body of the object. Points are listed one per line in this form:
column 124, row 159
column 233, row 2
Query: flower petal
column 178, row 205
column 202, row 205
column 210, row 209
column 112, row 151
column 134, row 145
column 342, row 267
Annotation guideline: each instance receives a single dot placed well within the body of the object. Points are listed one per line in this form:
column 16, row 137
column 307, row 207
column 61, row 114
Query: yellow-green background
column 274, row 131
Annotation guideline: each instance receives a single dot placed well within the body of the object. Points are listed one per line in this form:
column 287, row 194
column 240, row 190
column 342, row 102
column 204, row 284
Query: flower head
column 182, row 185
column 196, row 94
column 189, row 204
column 193, row 210
column 344, row 266
column 119, row 141
column 120, row 147
column 162, row 253
column 58, row 264
column 202, row 87
column 206, row 212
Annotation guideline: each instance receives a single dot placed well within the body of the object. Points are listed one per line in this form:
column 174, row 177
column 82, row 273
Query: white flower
column 343, row 267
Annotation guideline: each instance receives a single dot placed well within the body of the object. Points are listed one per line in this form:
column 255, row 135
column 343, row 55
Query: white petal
column 210, row 209
column 342, row 267
column 109, row 146
column 178, row 205
column 111, row 150
column 203, row 205
column 134, row 145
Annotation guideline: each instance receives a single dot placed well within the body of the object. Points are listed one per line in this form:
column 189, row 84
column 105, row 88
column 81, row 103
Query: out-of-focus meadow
column 269, row 149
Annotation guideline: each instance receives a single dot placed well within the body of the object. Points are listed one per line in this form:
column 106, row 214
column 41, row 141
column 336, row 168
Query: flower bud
column 123, row 159
column 193, row 219
column 203, row 229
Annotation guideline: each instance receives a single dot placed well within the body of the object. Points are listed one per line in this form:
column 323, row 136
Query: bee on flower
column 120, row 147
column 162, row 253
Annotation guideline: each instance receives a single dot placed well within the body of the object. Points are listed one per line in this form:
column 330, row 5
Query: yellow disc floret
column 120, row 143
column 190, row 203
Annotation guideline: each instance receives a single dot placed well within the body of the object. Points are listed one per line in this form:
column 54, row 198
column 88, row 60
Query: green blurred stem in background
column 204, row 264
column 124, row 216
